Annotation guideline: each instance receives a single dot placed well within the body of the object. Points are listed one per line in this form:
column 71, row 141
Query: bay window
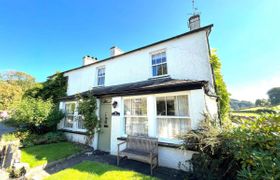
column 172, row 116
column 135, row 114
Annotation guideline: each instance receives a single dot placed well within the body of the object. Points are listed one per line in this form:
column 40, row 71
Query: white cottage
column 160, row 90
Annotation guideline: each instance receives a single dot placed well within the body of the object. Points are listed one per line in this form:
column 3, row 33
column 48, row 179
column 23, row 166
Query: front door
column 104, row 140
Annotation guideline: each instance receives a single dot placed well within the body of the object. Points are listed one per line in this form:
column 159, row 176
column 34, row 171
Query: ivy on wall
column 221, row 88
column 87, row 108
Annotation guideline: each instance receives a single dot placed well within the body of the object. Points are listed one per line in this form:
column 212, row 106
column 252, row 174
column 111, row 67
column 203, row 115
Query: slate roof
column 150, row 86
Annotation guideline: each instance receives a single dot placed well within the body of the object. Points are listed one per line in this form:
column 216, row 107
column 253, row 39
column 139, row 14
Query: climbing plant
column 87, row 108
column 221, row 88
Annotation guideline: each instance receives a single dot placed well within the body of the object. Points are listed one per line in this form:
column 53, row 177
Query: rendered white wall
column 211, row 106
column 79, row 138
column 187, row 58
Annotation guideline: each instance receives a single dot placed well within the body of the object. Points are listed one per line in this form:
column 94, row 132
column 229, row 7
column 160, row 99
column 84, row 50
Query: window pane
column 137, row 126
column 161, row 109
column 163, row 58
column 101, row 81
column 154, row 70
column 127, row 107
column 159, row 70
column 173, row 127
column 139, row 106
column 158, row 60
column 170, row 103
column 70, row 108
column 135, row 107
column 164, row 69
column 68, row 121
column 183, row 109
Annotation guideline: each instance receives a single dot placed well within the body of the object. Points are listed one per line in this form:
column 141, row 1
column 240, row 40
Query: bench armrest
column 120, row 145
column 153, row 151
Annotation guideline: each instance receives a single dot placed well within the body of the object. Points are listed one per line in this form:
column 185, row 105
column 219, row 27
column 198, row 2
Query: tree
column 274, row 95
column 13, row 84
column 262, row 102
column 221, row 89
column 9, row 94
column 21, row 79
column 37, row 115
column 54, row 88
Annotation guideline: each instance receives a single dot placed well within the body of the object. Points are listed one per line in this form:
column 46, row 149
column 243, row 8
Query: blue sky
column 41, row 37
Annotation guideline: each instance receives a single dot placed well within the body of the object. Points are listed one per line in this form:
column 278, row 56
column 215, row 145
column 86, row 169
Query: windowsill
column 76, row 131
column 158, row 77
column 160, row 143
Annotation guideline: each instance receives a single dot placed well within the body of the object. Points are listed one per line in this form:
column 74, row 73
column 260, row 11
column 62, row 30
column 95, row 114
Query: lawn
column 42, row 154
column 94, row 170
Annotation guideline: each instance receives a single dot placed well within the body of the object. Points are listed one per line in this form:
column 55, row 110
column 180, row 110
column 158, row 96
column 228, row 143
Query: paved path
column 5, row 129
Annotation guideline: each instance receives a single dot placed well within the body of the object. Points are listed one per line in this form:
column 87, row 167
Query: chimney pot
column 89, row 60
column 114, row 51
column 194, row 22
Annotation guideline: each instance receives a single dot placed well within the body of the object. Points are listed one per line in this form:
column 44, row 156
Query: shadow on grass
column 42, row 154
column 96, row 170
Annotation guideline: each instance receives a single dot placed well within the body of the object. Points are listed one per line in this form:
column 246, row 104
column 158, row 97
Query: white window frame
column 76, row 115
column 73, row 125
column 141, row 116
column 166, row 62
column 97, row 76
column 184, row 93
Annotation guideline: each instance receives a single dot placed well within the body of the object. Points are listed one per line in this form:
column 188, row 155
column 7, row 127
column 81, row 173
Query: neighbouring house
column 160, row 90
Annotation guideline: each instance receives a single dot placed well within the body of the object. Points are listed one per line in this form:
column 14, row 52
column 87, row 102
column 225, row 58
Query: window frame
column 159, row 64
column 97, row 76
column 134, row 116
column 188, row 118
column 71, row 114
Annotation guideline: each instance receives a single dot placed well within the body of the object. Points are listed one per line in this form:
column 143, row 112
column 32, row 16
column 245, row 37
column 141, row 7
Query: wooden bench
column 144, row 149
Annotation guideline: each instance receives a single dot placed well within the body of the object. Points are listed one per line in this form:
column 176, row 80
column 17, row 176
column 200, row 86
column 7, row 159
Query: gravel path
column 5, row 129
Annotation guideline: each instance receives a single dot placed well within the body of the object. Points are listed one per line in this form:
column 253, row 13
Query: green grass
column 94, row 170
column 42, row 154
column 242, row 114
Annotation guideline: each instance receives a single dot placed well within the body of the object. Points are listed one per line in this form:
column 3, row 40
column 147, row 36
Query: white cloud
column 254, row 90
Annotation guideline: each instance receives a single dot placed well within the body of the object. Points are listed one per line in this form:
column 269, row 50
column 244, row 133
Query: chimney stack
column 114, row 51
column 194, row 22
column 89, row 60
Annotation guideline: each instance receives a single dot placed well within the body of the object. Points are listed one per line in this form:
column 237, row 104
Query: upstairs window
column 159, row 65
column 101, row 76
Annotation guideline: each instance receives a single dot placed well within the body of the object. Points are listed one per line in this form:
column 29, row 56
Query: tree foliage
column 13, row 84
column 262, row 102
column 221, row 89
column 250, row 150
column 21, row 79
column 9, row 94
column 54, row 88
column 87, row 108
column 274, row 95
column 37, row 115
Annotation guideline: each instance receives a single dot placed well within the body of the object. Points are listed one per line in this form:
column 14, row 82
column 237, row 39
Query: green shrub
column 30, row 139
column 256, row 146
column 36, row 115
column 251, row 150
